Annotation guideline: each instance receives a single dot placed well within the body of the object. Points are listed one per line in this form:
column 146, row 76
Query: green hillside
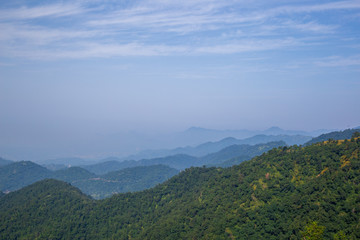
column 49, row 209
column 287, row 193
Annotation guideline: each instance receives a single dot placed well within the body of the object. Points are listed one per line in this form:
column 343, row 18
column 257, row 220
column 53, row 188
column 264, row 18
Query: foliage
column 313, row 232
column 48, row 209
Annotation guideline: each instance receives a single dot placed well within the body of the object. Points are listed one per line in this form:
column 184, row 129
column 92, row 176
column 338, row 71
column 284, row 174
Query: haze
column 76, row 74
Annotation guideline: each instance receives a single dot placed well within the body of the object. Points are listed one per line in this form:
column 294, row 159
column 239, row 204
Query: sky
column 71, row 71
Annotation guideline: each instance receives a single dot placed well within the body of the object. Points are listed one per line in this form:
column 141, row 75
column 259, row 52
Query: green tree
column 313, row 231
column 356, row 134
column 340, row 236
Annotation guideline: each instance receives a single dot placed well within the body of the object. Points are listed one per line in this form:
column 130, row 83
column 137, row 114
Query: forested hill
column 20, row 174
column 287, row 193
column 338, row 135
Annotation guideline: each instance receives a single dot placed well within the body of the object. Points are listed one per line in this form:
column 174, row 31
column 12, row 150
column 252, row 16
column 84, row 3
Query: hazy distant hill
column 73, row 174
column 203, row 134
column 185, row 142
column 4, row 161
column 338, row 135
column 20, row 174
column 107, row 166
column 241, row 152
column 212, row 147
column 125, row 180
column 67, row 162
column 180, row 161
column 288, row 193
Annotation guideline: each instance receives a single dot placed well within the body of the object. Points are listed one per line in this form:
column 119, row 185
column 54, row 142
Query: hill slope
column 286, row 193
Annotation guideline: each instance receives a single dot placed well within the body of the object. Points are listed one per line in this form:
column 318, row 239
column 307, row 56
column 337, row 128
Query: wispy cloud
column 339, row 61
column 54, row 10
column 308, row 8
column 159, row 27
column 36, row 35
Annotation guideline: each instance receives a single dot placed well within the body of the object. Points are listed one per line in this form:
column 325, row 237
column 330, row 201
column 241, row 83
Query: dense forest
column 293, row 192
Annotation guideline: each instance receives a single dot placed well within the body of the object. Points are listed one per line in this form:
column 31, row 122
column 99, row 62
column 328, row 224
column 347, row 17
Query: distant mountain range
column 197, row 135
column 212, row 147
column 181, row 161
column 123, row 144
column 199, row 150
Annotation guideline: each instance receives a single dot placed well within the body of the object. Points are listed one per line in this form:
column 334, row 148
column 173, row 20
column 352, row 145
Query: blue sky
column 70, row 68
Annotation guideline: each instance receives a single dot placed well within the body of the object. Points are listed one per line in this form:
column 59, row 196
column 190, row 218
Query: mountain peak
column 275, row 128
